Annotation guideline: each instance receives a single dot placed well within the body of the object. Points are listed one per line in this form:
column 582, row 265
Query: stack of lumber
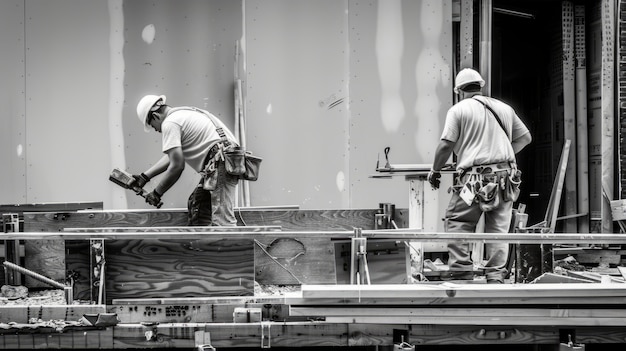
column 464, row 304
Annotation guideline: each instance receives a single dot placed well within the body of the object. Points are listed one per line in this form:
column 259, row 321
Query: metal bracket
column 359, row 271
column 11, row 224
column 484, row 334
column 61, row 215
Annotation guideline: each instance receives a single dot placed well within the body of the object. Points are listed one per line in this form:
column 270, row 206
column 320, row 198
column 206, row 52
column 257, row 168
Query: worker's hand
column 433, row 179
column 153, row 198
column 140, row 180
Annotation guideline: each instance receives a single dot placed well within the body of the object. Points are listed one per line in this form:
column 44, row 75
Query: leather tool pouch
column 235, row 161
column 512, row 186
column 489, row 196
column 209, row 176
column 253, row 163
column 242, row 163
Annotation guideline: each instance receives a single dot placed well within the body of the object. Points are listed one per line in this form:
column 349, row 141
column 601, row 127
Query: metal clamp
column 359, row 271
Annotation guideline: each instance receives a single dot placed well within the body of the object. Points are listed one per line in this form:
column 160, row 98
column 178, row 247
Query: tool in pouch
column 483, row 189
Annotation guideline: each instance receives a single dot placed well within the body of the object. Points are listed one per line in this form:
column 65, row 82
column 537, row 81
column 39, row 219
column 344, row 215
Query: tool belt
column 209, row 169
column 489, row 184
column 237, row 162
column 490, row 168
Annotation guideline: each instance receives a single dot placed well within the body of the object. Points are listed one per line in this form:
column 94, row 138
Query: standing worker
column 199, row 139
column 485, row 134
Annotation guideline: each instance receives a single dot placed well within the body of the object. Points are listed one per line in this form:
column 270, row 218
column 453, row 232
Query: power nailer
column 126, row 180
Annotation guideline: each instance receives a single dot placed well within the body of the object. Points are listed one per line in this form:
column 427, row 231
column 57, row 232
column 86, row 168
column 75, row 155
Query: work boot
column 457, row 275
column 496, row 277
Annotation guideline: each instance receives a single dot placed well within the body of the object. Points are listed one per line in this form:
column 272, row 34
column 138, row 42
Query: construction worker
column 485, row 134
column 199, row 139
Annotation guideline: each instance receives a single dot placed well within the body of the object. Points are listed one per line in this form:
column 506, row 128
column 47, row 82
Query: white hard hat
column 467, row 76
column 144, row 106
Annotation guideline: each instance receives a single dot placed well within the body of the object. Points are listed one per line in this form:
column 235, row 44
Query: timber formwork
column 172, row 286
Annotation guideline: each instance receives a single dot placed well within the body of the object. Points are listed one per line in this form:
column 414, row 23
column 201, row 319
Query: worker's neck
column 470, row 94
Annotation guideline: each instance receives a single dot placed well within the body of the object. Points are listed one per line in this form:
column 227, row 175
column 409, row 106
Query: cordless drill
column 126, row 180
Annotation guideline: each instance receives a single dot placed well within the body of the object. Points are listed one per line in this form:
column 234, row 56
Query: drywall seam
column 389, row 50
column 116, row 98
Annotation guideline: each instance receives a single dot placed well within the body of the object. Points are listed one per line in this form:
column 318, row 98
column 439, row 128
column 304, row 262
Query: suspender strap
column 218, row 128
column 495, row 115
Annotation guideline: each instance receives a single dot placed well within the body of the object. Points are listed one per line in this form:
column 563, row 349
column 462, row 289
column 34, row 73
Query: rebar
column 34, row 275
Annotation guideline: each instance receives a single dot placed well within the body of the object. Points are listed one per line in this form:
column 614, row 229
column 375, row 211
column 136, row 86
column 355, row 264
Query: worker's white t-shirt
column 478, row 138
column 194, row 132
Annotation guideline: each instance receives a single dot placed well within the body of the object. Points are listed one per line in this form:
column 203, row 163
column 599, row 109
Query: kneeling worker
column 485, row 134
column 197, row 138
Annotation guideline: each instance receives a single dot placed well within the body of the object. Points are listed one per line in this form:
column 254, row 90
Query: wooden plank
column 446, row 301
column 294, row 260
column 54, row 222
column 402, row 234
column 593, row 292
column 482, row 314
column 181, row 313
column 22, row 313
column 489, row 321
column 230, row 335
column 186, row 229
column 151, row 268
column 289, row 219
column 321, row 334
column 50, row 206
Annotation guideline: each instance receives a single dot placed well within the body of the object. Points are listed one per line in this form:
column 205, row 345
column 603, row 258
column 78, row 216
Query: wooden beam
column 401, row 234
column 23, row 313
column 287, row 219
column 179, row 268
column 593, row 292
column 466, row 316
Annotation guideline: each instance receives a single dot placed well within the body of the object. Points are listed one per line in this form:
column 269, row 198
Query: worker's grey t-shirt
column 478, row 137
column 194, row 132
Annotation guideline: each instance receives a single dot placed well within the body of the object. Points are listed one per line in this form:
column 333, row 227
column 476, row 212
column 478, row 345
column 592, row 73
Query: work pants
column 461, row 218
column 214, row 207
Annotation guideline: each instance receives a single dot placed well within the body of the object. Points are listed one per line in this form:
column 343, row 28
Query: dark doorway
column 527, row 58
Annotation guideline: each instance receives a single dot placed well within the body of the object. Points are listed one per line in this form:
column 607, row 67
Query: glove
column 140, row 180
column 153, row 198
column 433, row 179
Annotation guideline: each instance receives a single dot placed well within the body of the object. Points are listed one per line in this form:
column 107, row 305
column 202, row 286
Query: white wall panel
column 13, row 130
column 400, row 88
column 297, row 107
column 66, row 89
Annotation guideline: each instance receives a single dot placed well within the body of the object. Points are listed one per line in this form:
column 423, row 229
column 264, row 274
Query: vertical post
column 486, row 26
column 582, row 146
column 98, row 287
column 570, row 205
column 467, row 34
column 415, row 249
column 608, row 110
column 11, row 224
